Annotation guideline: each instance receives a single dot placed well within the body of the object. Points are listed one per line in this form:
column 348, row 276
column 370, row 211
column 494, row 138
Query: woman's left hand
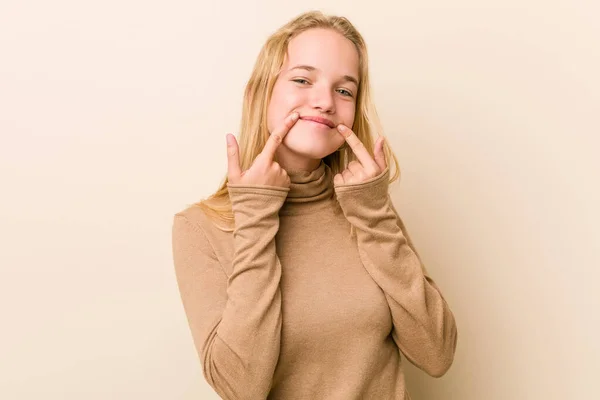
column 366, row 167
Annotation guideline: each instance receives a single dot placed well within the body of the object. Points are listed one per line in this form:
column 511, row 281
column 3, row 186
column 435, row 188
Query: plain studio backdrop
column 113, row 117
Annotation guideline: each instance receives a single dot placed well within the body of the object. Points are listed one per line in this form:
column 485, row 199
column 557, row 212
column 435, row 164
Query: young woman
column 298, row 277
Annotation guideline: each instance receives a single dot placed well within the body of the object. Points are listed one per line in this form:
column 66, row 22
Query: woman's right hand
column 264, row 170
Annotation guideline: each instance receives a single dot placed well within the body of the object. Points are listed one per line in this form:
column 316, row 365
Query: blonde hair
column 253, row 129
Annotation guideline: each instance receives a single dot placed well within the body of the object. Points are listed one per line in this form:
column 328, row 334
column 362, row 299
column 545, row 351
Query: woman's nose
column 323, row 100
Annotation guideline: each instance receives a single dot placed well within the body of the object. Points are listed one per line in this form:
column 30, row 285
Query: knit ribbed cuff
column 371, row 194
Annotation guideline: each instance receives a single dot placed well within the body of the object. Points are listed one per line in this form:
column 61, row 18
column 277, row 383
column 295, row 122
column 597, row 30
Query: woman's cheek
column 349, row 116
column 294, row 98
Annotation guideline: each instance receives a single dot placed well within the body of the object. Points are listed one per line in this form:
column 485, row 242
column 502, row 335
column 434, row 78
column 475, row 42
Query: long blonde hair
column 253, row 129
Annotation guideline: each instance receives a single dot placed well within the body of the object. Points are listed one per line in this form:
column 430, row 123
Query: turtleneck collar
column 309, row 190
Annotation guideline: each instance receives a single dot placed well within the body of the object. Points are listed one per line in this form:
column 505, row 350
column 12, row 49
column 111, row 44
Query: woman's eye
column 345, row 92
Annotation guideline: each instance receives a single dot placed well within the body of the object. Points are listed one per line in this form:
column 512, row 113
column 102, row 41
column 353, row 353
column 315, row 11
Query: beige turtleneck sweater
column 291, row 306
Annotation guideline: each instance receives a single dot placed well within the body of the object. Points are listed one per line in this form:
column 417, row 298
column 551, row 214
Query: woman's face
column 319, row 78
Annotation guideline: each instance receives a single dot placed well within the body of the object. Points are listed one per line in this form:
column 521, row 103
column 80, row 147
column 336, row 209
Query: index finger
column 277, row 136
column 357, row 146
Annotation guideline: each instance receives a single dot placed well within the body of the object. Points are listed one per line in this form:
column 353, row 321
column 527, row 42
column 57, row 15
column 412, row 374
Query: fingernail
column 228, row 138
column 341, row 128
column 294, row 116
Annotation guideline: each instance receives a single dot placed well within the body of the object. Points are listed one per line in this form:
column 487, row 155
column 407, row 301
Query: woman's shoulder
column 201, row 219
column 193, row 226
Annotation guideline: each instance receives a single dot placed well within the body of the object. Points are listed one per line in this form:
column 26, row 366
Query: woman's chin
column 310, row 144
column 314, row 151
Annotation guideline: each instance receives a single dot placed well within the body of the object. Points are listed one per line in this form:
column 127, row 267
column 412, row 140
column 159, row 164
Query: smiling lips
column 320, row 120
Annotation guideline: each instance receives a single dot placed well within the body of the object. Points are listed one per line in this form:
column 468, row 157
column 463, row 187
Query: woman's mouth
column 319, row 120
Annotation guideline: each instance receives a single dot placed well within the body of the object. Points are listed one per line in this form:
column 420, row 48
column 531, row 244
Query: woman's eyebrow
column 310, row 68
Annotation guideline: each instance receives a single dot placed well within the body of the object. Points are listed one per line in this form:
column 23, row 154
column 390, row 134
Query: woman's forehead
column 324, row 50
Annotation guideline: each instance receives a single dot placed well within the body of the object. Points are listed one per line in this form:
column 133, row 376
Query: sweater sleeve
column 424, row 327
column 235, row 320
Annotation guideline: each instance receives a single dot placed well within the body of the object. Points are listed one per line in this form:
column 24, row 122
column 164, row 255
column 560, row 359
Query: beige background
column 113, row 117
